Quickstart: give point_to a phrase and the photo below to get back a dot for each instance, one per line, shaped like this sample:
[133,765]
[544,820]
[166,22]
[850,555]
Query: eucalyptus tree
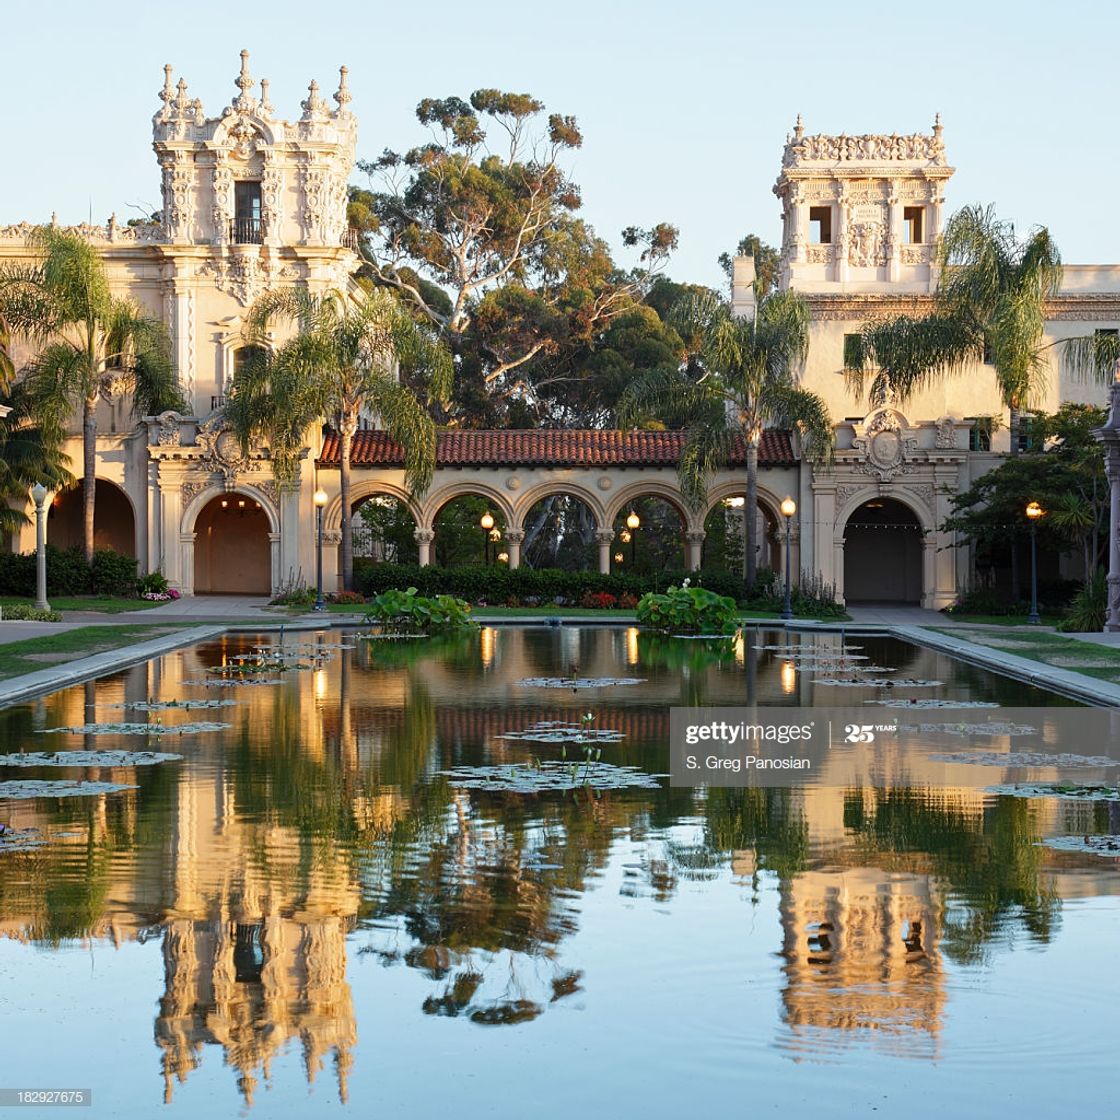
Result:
[89,344]
[747,382]
[989,305]
[339,364]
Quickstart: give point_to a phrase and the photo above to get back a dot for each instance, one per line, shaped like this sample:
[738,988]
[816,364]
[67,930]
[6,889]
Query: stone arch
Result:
[654,488]
[363,489]
[562,487]
[769,504]
[197,569]
[454,544]
[884,555]
[436,498]
[114,518]
[685,548]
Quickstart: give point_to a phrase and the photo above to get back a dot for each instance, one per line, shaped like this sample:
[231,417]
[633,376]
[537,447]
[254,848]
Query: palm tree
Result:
[25,458]
[989,304]
[91,343]
[338,365]
[748,382]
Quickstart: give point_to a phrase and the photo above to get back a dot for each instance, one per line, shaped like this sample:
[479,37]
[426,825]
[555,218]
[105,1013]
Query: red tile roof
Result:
[549,447]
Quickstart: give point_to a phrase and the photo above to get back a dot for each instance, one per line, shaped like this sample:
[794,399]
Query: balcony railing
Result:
[352,239]
[217,401]
[246,231]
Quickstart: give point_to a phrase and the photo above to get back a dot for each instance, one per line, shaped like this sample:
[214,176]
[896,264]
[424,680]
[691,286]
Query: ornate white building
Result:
[253,202]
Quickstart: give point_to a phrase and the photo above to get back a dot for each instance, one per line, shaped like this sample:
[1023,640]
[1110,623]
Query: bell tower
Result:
[861,213]
[250,202]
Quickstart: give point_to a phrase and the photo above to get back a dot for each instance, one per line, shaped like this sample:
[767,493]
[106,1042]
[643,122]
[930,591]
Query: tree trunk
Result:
[89,473]
[750,513]
[1015,579]
[345,441]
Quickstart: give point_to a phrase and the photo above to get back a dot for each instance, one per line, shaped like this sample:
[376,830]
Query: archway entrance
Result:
[114,525]
[232,552]
[725,538]
[883,554]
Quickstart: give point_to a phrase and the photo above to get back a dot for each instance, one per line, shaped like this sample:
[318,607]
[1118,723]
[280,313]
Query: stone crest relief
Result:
[885,446]
[221,450]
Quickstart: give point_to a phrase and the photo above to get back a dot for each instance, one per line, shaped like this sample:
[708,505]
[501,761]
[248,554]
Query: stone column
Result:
[840,234]
[837,579]
[424,538]
[929,598]
[513,539]
[695,538]
[894,237]
[604,540]
[827,559]
[274,561]
[332,560]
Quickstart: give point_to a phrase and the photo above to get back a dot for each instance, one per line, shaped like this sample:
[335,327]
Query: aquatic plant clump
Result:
[88,758]
[412,613]
[172,705]
[689,610]
[578,682]
[136,729]
[237,682]
[1053,789]
[1025,758]
[26,790]
[1094,845]
[914,702]
[20,839]
[552,731]
[877,682]
[551,777]
[996,727]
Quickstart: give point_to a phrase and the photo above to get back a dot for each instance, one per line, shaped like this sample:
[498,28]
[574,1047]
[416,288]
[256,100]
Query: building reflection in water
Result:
[247,851]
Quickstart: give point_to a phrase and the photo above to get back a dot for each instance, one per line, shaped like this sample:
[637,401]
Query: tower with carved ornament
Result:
[862,213]
[250,202]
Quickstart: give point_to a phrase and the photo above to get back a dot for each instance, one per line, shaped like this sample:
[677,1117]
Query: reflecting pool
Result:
[306,914]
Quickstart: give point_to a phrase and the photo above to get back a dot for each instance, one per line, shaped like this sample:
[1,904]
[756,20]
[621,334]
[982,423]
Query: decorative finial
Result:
[168,91]
[181,100]
[937,129]
[799,128]
[314,103]
[343,94]
[266,105]
[244,83]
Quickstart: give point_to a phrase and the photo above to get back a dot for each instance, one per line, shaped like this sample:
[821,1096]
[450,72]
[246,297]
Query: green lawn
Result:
[1102,662]
[33,654]
[103,604]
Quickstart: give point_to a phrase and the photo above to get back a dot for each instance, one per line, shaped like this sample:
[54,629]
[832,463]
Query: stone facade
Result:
[252,202]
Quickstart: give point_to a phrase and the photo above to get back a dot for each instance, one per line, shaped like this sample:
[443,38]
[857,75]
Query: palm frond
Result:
[1093,356]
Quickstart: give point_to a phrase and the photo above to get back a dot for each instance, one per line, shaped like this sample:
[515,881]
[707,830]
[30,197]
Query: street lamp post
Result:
[1034,512]
[789,508]
[320,502]
[632,523]
[39,497]
[487,523]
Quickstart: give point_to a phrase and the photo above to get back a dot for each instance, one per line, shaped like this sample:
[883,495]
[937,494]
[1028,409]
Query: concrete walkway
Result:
[218,607]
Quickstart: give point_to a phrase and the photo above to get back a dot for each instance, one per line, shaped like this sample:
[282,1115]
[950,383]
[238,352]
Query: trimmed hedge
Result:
[111,573]
[496,584]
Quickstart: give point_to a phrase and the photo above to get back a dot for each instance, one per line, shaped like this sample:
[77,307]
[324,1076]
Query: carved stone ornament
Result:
[885,445]
[946,437]
[169,433]
[866,245]
[188,489]
[221,449]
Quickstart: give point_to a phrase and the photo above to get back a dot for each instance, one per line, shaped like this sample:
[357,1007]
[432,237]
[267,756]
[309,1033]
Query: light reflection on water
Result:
[305,900]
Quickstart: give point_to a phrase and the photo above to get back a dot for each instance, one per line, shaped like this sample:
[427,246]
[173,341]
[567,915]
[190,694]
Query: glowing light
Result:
[789,677]
[633,520]
[618,557]
[487,521]
[632,645]
[503,557]
[789,507]
[624,536]
[486,646]
[320,498]
[1035,511]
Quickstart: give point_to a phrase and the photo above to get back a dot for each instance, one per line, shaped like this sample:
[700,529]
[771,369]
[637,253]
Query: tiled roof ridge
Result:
[559,447]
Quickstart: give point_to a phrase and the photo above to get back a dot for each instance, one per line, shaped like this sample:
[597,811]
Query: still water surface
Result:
[304,917]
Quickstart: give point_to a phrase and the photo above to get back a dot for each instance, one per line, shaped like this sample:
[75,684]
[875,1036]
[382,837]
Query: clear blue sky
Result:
[684,105]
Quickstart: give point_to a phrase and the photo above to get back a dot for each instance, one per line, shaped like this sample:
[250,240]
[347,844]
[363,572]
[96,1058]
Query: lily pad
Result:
[578,682]
[26,790]
[172,705]
[996,727]
[552,731]
[552,777]
[1094,845]
[20,839]
[136,729]
[914,702]
[877,682]
[240,682]
[1025,758]
[88,758]
[1067,792]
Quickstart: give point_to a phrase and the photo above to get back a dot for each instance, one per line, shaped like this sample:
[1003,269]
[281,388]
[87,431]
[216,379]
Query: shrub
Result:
[1089,608]
[294,597]
[812,596]
[407,612]
[112,573]
[154,583]
[23,612]
[348,597]
[689,610]
[598,600]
